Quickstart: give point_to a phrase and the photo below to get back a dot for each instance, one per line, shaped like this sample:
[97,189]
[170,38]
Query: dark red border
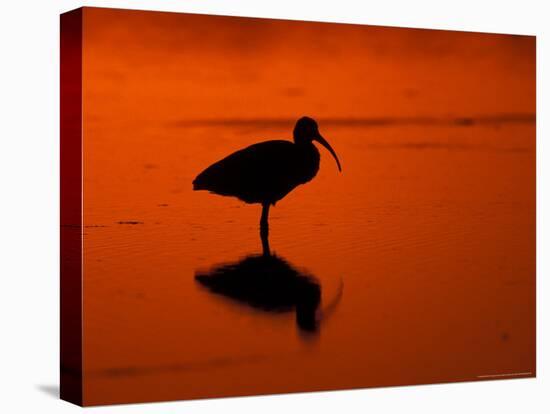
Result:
[71,206]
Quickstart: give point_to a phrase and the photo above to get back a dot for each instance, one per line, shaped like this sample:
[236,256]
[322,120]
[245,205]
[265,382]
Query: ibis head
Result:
[307,130]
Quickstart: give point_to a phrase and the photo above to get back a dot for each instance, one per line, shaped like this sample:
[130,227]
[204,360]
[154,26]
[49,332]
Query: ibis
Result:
[265,172]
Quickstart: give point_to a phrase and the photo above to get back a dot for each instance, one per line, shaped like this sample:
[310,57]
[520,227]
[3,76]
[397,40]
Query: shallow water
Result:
[416,264]
[423,249]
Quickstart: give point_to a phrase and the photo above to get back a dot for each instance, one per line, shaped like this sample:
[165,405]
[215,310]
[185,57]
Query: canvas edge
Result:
[71,226]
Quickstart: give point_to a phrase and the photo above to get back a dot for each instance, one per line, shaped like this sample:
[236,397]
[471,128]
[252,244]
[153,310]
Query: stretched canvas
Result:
[254,206]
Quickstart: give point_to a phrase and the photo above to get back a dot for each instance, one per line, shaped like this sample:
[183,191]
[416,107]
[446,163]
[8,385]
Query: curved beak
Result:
[325,144]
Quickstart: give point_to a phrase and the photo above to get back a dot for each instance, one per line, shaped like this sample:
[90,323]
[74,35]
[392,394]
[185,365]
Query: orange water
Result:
[423,247]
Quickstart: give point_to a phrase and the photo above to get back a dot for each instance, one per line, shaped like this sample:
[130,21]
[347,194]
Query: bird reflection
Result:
[269,283]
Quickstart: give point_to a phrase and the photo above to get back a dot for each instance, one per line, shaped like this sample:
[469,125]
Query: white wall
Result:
[29,204]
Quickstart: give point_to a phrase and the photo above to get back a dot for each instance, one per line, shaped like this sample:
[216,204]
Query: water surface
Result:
[414,265]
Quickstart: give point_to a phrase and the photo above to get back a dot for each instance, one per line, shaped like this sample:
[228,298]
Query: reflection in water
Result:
[269,283]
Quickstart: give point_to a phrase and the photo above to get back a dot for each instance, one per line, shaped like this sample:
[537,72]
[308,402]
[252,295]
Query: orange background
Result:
[430,229]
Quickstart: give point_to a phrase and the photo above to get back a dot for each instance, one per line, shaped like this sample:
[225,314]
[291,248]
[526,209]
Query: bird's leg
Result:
[264,229]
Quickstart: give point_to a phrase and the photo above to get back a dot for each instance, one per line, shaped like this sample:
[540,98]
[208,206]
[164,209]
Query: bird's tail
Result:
[197,185]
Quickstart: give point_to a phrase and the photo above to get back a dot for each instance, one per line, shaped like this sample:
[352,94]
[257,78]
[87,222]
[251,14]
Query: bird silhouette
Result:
[268,283]
[266,172]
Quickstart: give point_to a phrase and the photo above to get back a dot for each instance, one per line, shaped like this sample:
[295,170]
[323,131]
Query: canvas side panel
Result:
[71,206]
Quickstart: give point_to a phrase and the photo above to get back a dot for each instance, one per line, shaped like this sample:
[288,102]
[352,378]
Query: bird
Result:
[266,172]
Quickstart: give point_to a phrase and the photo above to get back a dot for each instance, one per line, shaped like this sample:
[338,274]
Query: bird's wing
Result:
[251,173]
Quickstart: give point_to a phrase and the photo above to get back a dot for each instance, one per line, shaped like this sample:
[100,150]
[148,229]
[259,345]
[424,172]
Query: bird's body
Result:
[266,172]
[261,173]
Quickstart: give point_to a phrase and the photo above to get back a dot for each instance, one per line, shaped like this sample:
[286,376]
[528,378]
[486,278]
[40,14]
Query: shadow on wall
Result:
[49,389]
